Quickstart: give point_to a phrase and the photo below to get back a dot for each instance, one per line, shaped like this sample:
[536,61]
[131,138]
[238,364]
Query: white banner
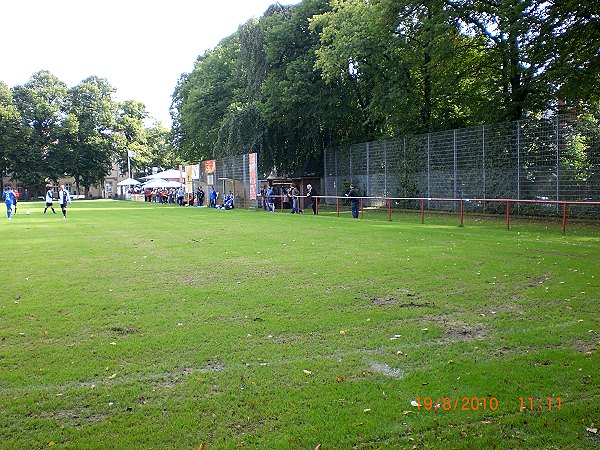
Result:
[195,171]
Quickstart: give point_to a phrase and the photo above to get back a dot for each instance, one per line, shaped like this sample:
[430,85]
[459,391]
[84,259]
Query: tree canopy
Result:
[331,72]
[49,131]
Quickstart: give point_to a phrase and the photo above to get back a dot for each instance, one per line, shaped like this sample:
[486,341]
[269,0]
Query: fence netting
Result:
[236,174]
[555,158]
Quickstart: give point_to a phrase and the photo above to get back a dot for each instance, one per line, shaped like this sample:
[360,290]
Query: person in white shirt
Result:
[49,200]
[63,198]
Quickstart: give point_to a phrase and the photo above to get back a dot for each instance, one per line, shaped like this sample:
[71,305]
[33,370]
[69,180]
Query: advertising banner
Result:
[253,169]
[195,171]
[210,166]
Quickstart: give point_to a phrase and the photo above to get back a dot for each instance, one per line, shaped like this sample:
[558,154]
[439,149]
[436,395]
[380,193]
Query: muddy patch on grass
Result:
[170,380]
[587,348]
[535,281]
[457,330]
[78,417]
[123,331]
[465,333]
[402,298]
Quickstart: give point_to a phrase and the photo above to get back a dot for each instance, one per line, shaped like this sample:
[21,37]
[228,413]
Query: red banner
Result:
[210,166]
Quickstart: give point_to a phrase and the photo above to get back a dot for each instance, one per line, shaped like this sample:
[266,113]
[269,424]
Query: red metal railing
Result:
[460,201]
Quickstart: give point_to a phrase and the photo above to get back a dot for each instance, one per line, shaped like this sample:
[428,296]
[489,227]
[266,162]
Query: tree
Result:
[575,67]
[10,130]
[518,36]
[129,134]
[158,150]
[41,104]
[202,98]
[89,140]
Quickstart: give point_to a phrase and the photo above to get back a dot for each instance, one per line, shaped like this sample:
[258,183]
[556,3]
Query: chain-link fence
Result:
[554,158]
[236,174]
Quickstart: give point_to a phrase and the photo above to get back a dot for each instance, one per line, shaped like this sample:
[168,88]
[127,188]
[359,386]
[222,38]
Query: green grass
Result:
[147,326]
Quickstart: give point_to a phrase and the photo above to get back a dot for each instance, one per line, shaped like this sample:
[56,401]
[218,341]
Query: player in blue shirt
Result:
[9,198]
[271,199]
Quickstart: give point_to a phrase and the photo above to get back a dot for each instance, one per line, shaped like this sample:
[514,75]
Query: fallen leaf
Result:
[202,446]
[51,444]
[339,379]
[318,447]
[367,410]
[112,376]
[307,372]
[591,430]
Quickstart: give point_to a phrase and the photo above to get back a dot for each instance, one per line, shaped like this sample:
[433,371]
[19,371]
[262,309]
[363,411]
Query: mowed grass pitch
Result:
[148,326]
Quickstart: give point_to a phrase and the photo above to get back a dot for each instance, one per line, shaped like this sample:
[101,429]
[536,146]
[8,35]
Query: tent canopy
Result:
[160,183]
[128,182]
[171,174]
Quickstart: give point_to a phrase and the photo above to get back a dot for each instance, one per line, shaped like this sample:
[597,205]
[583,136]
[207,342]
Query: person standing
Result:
[293,193]
[180,196]
[271,199]
[63,198]
[212,196]
[312,194]
[49,200]
[15,200]
[353,194]
[9,197]
[201,196]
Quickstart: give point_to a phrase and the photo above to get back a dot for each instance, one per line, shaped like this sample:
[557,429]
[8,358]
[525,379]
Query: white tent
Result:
[160,183]
[171,174]
[128,182]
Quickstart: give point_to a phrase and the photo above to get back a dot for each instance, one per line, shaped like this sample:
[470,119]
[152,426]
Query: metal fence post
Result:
[455,176]
[483,161]
[428,168]
[557,158]
[368,170]
[325,175]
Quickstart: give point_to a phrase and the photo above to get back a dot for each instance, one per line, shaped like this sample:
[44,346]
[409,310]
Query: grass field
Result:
[147,326]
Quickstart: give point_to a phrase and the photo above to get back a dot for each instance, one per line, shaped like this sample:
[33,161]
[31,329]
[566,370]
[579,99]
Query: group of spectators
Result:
[180,197]
[161,195]
[292,193]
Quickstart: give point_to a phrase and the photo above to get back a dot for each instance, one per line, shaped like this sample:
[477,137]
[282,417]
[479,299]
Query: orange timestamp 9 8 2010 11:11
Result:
[484,403]
[457,403]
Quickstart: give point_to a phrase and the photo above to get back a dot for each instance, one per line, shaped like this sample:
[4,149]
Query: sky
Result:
[141,47]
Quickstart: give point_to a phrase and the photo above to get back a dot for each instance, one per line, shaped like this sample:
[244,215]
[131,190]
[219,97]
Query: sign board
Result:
[188,179]
[195,171]
[253,168]
[210,166]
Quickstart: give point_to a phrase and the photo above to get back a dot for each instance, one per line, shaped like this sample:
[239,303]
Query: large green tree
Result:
[89,140]
[202,98]
[10,127]
[41,103]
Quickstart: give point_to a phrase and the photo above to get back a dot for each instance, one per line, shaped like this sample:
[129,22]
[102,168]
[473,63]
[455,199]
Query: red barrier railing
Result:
[461,204]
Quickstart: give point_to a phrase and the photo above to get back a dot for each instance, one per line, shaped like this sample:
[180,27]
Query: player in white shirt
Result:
[63,198]
[49,201]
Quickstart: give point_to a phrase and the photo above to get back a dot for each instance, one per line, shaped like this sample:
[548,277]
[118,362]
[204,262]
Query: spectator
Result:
[312,194]
[270,199]
[353,194]
[293,193]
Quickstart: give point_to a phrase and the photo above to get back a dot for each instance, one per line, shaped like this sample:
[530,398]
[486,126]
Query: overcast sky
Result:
[141,47]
